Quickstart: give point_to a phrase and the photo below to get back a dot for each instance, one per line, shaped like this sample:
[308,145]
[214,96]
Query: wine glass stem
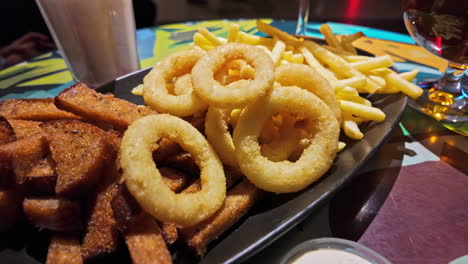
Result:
[451,81]
[302,17]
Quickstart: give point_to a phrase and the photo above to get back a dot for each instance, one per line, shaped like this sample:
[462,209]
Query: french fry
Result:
[372,64]
[277,51]
[363,111]
[356,99]
[210,36]
[351,130]
[283,36]
[346,90]
[337,51]
[297,58]
[313,62]
[408,88]
[233,32]
[202,42]
[341,146]
[409,75]
[347,45]
[330,38]
[254,40]
[355,81]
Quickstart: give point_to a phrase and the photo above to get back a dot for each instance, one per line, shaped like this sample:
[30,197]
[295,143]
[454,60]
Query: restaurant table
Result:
[409,202]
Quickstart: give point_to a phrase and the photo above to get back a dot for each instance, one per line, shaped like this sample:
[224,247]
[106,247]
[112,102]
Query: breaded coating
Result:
[25,128]
[6,132]
[33,109]
[79,151]
[86,102]
[54,213]
[102,235]
[10,207]
[64,248]
[18,158]
[238,202]
[145,242]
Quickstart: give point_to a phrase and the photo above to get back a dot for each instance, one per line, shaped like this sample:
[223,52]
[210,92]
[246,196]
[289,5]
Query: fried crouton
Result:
[54,213]
[33,109]
[64,248]
[86,102]
[79,151]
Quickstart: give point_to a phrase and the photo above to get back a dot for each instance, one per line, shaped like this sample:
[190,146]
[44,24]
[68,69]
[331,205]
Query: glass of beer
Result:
[96,38]
[441,27]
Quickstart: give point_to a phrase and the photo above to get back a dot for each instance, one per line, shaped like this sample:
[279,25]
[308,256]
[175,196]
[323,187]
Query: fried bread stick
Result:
[145,242]
[79,151]
[238,202]
[64,248]
[53,213]
[102,235]
[86,102]
[33,109]
[169,230]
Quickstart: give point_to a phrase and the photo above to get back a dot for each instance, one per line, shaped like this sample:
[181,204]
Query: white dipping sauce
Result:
[330,256]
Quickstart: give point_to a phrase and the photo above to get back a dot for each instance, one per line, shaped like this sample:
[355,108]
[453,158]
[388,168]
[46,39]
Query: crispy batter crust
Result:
[33,109]
[64,248]
[53,213]
[79,151]
[83,101]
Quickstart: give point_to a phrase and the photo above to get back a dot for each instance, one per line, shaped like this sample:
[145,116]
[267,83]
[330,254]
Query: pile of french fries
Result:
[338,62]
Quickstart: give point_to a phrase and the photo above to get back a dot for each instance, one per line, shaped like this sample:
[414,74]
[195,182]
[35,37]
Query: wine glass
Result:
[302,17]
[441,27]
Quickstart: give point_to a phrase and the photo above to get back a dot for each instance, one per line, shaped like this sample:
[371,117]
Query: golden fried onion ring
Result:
[144,180]
[238,95]
[286,176]
[217,133]
[303,76]
[155,85]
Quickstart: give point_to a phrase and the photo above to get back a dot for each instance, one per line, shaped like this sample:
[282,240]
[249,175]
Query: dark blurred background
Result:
[22,16]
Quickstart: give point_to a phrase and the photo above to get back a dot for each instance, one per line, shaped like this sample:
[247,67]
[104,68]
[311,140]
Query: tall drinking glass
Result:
[96,38]
[441,27]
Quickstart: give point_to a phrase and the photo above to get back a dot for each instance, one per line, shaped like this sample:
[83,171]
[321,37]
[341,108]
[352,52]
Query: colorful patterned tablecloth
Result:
[412,196]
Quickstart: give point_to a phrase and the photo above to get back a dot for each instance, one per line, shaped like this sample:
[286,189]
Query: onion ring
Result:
[156,93]
[286,176]
[218,95]
[303,76]
[144,180]
[217,133]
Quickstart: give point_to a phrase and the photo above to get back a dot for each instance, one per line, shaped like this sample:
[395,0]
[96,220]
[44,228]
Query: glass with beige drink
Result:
[96,37]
